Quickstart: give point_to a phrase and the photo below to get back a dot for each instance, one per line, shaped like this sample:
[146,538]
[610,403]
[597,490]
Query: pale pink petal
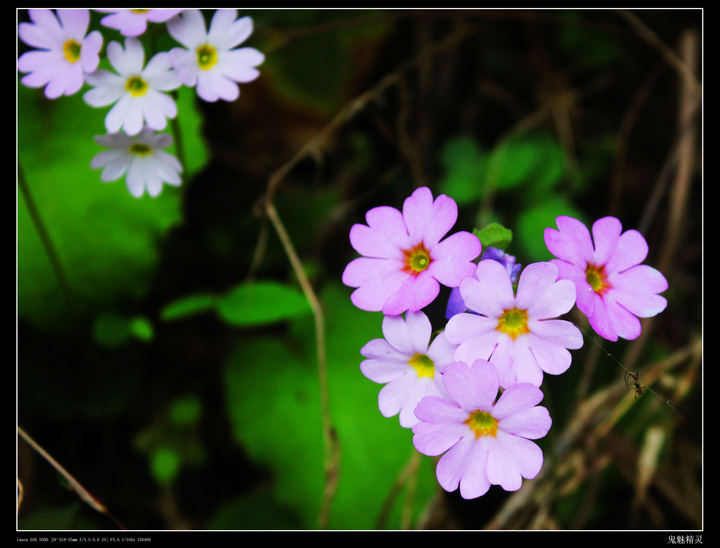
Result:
[452,465]
[517,398]
[188,28]
[490,292]
[475,482]
[535,280]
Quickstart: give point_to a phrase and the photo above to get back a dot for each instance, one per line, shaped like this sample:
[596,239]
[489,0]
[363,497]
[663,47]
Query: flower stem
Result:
[44,237]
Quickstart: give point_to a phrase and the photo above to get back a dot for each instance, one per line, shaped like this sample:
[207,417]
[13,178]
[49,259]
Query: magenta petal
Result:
[384,236]
[631,250]
[429,220]
[415,293]
[606,232]
[636,289]
[452,258]
[571,242]
[376,280]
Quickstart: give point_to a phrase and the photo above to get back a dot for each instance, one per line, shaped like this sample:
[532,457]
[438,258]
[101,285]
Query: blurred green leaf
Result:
[532,222]
[257,510]
[536,157]
[187,306]
[494,235]
[260,303]
[165,464]
[110,329]
[465,167]
[185,411]
[105,239]
[141,328]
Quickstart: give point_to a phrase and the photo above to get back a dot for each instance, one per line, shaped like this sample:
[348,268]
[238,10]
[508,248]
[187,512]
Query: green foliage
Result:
[465,166]
[274,405]
[245,305]
[105,239]
[531,224]
[258,510]
[494,235]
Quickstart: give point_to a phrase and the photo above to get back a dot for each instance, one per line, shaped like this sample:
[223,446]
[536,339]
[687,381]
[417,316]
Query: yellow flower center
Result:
[140,11]
[513,322]
[597,278]
[482,423]
[417,259]
[136,86]
[71,50]
[206,56]
[140,149]
[424,366]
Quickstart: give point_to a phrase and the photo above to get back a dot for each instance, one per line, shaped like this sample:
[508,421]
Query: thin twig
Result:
[682,66]
[330,439]
[332,452]
[84,494]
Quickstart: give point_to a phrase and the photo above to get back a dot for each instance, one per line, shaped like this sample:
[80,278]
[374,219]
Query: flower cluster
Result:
[140,94]
[471,393]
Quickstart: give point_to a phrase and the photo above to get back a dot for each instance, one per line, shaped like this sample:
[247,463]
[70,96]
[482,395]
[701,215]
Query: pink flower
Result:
[210,59]
[407,363]
[613,288]
[133,22]
[404,262]
[63,55]
[485,442]
[517,333]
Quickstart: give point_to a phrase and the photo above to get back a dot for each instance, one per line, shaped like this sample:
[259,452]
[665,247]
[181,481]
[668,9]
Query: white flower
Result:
[133,22]
[140,159]
[136,92]
[210,63]
[64,53]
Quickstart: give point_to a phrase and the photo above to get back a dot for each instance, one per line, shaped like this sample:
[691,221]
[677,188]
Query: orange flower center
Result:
[482,423]
[513,322]
[597,278]
[417,259]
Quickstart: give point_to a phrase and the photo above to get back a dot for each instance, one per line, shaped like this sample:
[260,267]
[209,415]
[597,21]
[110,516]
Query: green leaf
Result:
[165,464]
[494,235]
[535,158]
[258,510]
[187,306]
[261,303]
